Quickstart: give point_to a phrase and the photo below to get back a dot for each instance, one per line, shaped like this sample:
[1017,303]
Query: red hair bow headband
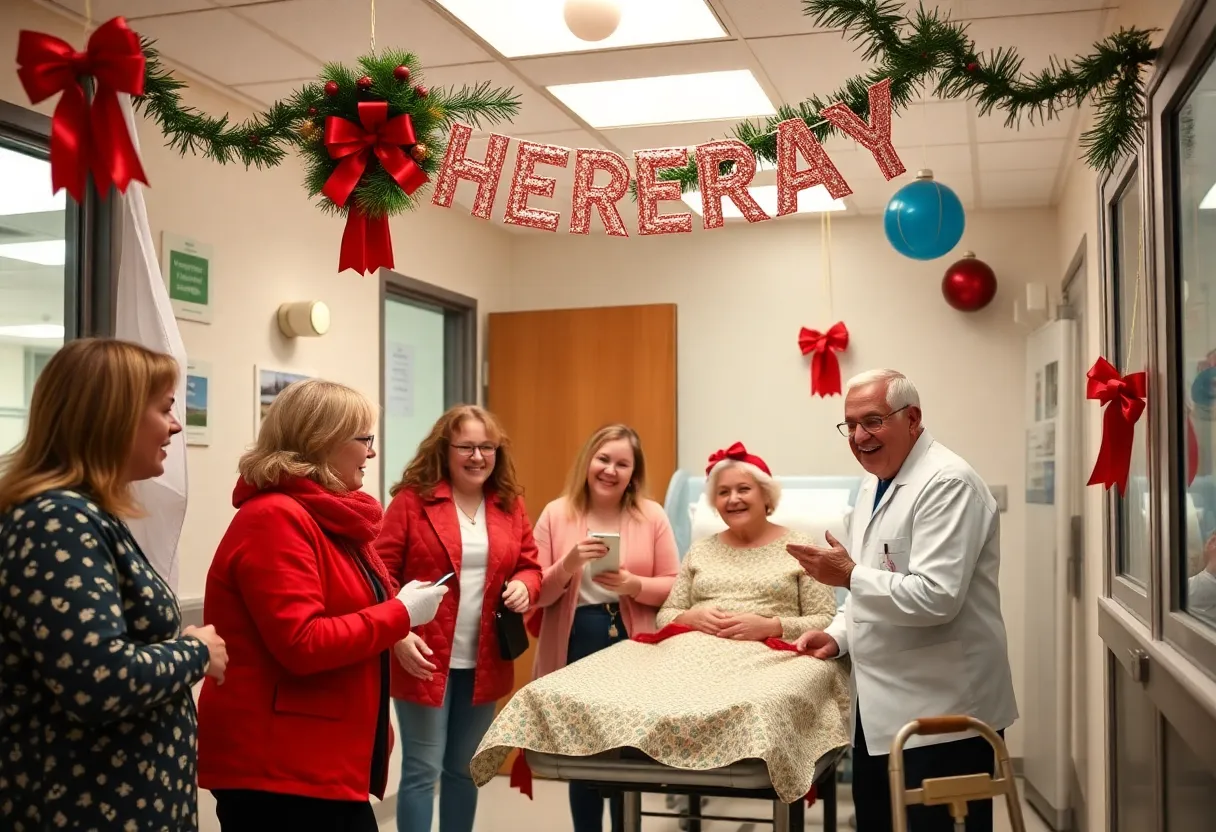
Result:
[738,453]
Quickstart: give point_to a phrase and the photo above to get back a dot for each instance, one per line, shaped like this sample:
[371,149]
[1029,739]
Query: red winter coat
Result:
[302,710]
[420,541]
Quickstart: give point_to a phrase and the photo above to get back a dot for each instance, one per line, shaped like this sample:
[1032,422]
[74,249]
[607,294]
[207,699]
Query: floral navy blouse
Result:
[97,719]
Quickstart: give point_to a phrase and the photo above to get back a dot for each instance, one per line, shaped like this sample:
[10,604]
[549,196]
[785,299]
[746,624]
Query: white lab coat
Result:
[922,621]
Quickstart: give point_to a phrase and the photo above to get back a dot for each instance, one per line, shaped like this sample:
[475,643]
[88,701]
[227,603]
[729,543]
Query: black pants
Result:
[590,634]
[872,786]
[241,810]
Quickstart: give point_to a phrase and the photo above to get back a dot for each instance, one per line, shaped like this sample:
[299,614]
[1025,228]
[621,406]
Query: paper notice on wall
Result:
[399,380]
[1041,464]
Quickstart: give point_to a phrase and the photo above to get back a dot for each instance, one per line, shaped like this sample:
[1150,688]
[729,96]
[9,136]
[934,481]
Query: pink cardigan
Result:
[648,550]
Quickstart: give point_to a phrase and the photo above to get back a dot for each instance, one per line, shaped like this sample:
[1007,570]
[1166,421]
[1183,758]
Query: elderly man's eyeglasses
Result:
[467,450]
[870,424]
[368,440]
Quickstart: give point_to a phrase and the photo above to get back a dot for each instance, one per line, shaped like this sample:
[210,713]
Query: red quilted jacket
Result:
[420,541]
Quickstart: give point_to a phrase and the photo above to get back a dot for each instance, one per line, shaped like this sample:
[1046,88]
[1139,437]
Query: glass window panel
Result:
[32,225]
[414,382]
[1190,789]
[1196,258]
[1135,755]
[1132,356]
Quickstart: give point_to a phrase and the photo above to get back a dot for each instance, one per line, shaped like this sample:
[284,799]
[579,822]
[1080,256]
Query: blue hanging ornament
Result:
[924,219]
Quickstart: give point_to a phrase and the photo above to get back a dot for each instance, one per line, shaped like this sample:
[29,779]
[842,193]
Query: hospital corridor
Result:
[608,416]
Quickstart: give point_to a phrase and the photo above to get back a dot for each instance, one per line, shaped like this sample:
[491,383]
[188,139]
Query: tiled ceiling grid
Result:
[264,49]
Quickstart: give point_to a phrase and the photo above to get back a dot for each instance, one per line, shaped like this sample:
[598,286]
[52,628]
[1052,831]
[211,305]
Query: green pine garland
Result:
[297,123]
[924,49]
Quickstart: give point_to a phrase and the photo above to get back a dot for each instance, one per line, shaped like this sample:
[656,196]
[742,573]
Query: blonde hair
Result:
[769,487]
[304,425]
[577,494]
[86,409]
[429,467]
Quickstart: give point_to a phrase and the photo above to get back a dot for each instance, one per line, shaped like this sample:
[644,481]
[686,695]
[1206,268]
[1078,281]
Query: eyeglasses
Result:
[870,424]
[369,440]
[467,450]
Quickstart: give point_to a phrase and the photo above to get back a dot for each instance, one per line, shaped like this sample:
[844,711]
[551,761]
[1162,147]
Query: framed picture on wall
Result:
[268,384]
[198,403]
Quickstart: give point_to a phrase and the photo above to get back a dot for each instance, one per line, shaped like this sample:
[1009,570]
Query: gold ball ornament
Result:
[436,112]
[419,152]
[308,131]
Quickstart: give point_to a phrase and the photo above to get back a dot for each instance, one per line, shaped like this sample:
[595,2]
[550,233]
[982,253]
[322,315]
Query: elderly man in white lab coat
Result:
[922,621]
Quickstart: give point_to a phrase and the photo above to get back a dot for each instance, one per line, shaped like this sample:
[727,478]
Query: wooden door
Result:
[556,376]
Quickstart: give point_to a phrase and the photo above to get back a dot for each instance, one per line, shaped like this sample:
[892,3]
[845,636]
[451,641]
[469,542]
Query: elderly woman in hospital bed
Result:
[719,683]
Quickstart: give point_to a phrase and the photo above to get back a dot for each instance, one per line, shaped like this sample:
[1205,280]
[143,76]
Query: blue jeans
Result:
[437,744]
[590,635]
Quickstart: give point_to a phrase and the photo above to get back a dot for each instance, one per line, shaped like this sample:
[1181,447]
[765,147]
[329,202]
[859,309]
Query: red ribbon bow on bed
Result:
[739,453]
[1123,397]
[822,347]
[366,244]
[86,137]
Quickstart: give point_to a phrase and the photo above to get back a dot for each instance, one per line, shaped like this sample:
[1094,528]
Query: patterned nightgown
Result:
[97,720]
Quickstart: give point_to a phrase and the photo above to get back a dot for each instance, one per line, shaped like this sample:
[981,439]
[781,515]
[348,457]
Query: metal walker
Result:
[954,792]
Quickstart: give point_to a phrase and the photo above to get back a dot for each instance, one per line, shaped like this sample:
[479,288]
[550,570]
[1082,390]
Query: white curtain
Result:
[145,316]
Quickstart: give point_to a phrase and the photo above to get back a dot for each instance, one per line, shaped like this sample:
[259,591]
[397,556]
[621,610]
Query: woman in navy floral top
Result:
[98,725]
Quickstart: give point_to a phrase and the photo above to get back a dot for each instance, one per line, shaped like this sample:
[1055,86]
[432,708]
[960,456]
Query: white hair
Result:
[900,391]
[769,487]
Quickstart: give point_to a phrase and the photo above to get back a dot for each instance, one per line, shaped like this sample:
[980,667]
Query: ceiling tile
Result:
[644,62]
[688,134]
[315,27]
[247,55]
[767,18]
[935,123]
[808,65]
[873,193]
[1038,38]
[564,138]
[103,10]
[1024,187]
[536,113]
[1020,155]
[273,91]
[1003,8]
[991,128]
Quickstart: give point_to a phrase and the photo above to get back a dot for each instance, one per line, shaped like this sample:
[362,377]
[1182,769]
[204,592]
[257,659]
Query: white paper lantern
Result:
[592,20]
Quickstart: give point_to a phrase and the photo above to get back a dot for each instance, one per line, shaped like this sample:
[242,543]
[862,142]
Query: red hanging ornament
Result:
[331,88]
[1123,398]
[366,243]
[364,83]
[312,111]
[970,284]
[87,137]
[822,347]
[422,91]
[402,73]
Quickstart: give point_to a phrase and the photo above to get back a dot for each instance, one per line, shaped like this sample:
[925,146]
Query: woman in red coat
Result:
[456,510]
[298,734]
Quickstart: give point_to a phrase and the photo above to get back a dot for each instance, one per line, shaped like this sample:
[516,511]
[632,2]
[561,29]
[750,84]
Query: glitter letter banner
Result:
[651,191]
[525,182]
[875,136]
[714,185]
[457,166]
[793,135]
[604,197]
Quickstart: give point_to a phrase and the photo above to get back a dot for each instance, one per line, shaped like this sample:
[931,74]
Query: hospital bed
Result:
[810,504]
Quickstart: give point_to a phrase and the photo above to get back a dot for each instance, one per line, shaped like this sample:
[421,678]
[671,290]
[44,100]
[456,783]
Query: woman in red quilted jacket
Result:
[456,510]
[298,734]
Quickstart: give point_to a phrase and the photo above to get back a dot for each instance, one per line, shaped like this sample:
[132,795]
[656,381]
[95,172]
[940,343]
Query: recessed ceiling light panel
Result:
[667,99]
[814,200]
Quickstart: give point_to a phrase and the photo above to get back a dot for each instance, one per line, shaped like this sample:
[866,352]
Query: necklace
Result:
[472,518]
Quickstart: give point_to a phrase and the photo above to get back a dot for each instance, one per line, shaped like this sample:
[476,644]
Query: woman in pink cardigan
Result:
[581,614]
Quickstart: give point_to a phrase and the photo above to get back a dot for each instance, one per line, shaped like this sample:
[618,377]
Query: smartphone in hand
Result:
[610,562]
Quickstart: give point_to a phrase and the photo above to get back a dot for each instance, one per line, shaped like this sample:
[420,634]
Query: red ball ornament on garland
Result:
[422,91]
[312,111]
[331,88]
[970,284]
[402,73]
[364,83]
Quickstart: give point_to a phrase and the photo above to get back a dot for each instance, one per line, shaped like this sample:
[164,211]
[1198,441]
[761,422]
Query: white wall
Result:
[271,246]
[742,294]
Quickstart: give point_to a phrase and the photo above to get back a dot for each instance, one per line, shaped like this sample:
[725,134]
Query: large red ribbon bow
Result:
[366,244]
[825,368]
[1123,397]
[85,137]
[739,453]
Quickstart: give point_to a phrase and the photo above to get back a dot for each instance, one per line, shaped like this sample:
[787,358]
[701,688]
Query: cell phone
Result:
[610,562]
[444,579]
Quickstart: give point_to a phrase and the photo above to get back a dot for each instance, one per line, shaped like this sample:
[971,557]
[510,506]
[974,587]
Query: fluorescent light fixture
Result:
[667,99]
[814,200]
[1208,203]
[538,27]
[26,185]
[47,332]
[41,253]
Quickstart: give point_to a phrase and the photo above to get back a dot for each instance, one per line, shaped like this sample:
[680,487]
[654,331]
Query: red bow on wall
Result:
[366,243]
[85,137]
[1123,397]
[825,368]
